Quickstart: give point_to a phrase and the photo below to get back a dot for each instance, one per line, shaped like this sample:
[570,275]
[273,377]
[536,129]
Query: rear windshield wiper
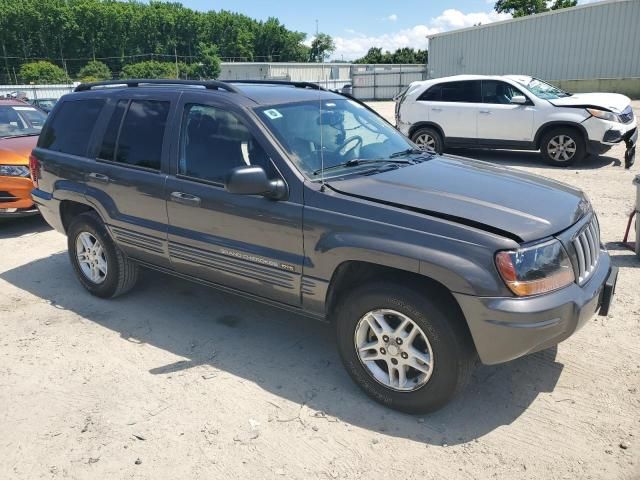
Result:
[354,162]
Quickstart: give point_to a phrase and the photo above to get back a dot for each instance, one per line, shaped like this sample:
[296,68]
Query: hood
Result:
[508,202]
[609,101]
[16,151]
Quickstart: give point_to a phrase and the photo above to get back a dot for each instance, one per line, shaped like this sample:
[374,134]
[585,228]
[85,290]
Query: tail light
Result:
[34,168]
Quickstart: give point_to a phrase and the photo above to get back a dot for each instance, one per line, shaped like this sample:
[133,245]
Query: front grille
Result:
[587,246]
[627,115]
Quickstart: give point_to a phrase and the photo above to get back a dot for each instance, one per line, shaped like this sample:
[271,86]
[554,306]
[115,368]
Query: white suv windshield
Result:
[19,121]
[544,90]
[343,130]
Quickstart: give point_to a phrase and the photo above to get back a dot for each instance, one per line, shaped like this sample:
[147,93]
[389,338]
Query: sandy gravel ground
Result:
[178,381]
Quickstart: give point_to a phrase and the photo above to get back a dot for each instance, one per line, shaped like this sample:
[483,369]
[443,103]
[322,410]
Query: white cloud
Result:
[393,17]
[356,45]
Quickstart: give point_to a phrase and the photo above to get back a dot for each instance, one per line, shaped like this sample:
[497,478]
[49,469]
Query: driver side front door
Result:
[246,242]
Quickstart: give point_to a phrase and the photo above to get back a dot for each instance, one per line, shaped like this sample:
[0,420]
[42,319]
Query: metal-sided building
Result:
[370,82]
[591,47]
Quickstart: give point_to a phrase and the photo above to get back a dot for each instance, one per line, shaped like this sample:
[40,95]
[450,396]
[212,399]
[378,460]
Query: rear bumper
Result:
[49,208]
[17,212]
[507,328]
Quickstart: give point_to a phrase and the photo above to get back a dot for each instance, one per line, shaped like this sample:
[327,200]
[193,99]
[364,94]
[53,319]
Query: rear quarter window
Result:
[69,131]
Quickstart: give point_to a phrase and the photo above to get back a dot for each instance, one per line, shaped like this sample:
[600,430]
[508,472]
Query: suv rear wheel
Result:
[99,264]
[562,147]
[428,139]
[404,350]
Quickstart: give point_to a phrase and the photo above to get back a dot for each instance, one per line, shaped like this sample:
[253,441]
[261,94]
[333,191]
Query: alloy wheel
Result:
[561,148]
[426,142]
[394,350]
[91,257]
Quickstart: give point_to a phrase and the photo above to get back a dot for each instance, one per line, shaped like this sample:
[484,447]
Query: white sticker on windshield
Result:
[330,105]
[273,114]
[29,109]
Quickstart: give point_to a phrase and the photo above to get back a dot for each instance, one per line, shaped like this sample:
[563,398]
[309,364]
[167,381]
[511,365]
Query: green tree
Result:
[207,65]
[42,72]
[70,32]
[94,71]
[521,8]
[149,69]
[375,55]
[321,48]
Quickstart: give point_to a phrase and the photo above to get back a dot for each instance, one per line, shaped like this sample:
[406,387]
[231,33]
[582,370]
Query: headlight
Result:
[14,171]
[538,269]
[603,115]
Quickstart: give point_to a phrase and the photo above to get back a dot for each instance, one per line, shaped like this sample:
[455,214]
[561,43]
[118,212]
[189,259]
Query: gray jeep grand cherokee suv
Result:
[307,200]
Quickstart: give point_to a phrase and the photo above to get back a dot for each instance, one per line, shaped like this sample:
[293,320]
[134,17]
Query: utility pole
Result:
[6,61]
[317,31]
[175,53]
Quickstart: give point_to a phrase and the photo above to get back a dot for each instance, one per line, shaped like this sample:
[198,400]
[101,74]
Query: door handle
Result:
[486,112]
[185,198]
[436,109]
[99,177]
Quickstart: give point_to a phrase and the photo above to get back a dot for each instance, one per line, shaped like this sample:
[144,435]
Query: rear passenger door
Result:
[454,107]
[126,182]
[246,242]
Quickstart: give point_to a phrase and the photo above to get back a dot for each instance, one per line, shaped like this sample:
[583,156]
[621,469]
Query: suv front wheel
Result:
[102,268]
[404,350]
[562,147]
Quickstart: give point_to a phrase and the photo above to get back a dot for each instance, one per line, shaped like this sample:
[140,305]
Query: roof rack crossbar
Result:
[311,85]
[208,84]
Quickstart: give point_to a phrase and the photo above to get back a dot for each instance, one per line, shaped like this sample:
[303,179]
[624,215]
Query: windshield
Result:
[544,90]
[18,121]
[345,132]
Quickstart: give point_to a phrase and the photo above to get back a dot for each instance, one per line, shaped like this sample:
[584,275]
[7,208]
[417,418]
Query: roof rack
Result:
[208,84]
[313,86]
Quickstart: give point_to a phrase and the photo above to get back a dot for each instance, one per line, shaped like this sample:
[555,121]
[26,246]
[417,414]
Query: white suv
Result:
[515,112]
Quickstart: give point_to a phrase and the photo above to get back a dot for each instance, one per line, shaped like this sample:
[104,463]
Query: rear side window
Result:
[135,137]
[432,95]
[108,149]
[70,128]
[463,92]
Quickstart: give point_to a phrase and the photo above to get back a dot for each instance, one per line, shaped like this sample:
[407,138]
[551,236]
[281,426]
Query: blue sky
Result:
[358,25]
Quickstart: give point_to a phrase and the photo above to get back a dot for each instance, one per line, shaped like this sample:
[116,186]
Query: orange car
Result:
[20,125]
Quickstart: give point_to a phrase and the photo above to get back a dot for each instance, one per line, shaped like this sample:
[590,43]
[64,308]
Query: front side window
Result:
[135,137]
[330,133]
[70,128]
[494,91]
[214,141]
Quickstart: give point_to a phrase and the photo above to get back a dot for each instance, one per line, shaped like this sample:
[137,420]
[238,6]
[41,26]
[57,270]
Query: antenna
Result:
[321,136]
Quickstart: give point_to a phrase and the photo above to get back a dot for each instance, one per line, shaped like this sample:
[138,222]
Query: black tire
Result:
[122,273]
[454,356]
[546,148]
[428,132]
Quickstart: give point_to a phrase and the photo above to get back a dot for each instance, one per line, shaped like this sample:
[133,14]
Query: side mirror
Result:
[253,180]
[519,99]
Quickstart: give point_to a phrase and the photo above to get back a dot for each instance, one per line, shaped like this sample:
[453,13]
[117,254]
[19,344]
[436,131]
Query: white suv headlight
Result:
[603,115]
[14,170]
